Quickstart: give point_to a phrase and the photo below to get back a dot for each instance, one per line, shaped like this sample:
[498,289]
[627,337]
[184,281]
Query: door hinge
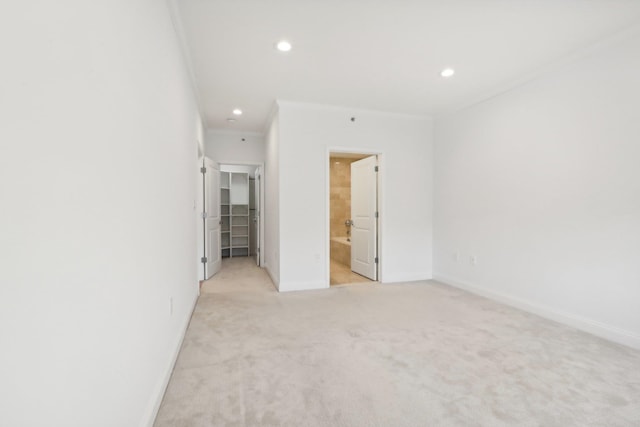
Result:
[375,169]
[203,260]
[375,260]
[203,170]
[376,214]
[204,215]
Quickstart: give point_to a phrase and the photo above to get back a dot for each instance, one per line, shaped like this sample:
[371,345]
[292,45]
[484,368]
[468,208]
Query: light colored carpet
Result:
[416,354]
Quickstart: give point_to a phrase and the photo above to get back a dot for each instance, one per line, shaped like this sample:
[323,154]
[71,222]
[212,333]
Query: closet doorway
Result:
[241,212]
[354,214]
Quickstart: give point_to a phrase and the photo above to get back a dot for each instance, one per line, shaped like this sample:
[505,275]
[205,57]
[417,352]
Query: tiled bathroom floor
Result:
[341,275]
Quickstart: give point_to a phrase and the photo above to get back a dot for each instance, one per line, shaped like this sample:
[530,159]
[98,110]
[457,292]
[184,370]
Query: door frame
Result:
[259,174]
[198,207]
[381,206]
[261,220]
[207,196]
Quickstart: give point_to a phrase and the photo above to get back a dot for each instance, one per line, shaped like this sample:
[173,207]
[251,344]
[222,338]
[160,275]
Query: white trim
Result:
[352,110]
[600,329]
[243,163]
[262,202]
[261,208]
[183,46]
[327,216]
[401,278]
[381,214]
[200,228]
[303,286]
[327,199]
[161,387]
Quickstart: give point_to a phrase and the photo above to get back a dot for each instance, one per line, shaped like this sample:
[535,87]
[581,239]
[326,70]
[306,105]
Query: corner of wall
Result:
[599,329]
[273,277]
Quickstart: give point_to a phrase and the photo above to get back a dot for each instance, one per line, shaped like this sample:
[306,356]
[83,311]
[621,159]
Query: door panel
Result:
[256,217]
[364,224]
[202,239]
[212,217]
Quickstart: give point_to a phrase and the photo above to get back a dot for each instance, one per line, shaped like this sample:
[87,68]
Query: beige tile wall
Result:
[341,252]
[340,182]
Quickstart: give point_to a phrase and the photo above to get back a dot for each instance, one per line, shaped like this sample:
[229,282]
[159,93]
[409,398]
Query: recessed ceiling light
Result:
[283,46]
[231,120]
[447,72]
[237,112]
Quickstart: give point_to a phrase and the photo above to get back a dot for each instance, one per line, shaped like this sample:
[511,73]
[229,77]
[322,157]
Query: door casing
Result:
[261,222]
[337,151]
[212,217]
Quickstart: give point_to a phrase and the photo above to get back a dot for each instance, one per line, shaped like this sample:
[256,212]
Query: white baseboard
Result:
[398,278]
[152,412]
[600,329]
[303,286]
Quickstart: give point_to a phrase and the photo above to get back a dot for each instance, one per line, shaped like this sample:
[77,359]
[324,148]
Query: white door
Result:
[364,202]
[211,217]
[256,217]
[199,210]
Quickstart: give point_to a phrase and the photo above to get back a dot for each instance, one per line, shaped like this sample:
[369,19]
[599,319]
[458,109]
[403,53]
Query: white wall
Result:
[542,184]
[229,147]
[97,224]
[306,132]
[250,169]
[271,243]
[200,208]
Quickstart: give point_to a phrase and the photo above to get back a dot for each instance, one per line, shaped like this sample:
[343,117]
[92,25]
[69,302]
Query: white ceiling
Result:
[381,55]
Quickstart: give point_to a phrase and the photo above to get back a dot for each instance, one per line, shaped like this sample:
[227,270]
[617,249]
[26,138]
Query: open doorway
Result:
[241,190]
[353,218]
